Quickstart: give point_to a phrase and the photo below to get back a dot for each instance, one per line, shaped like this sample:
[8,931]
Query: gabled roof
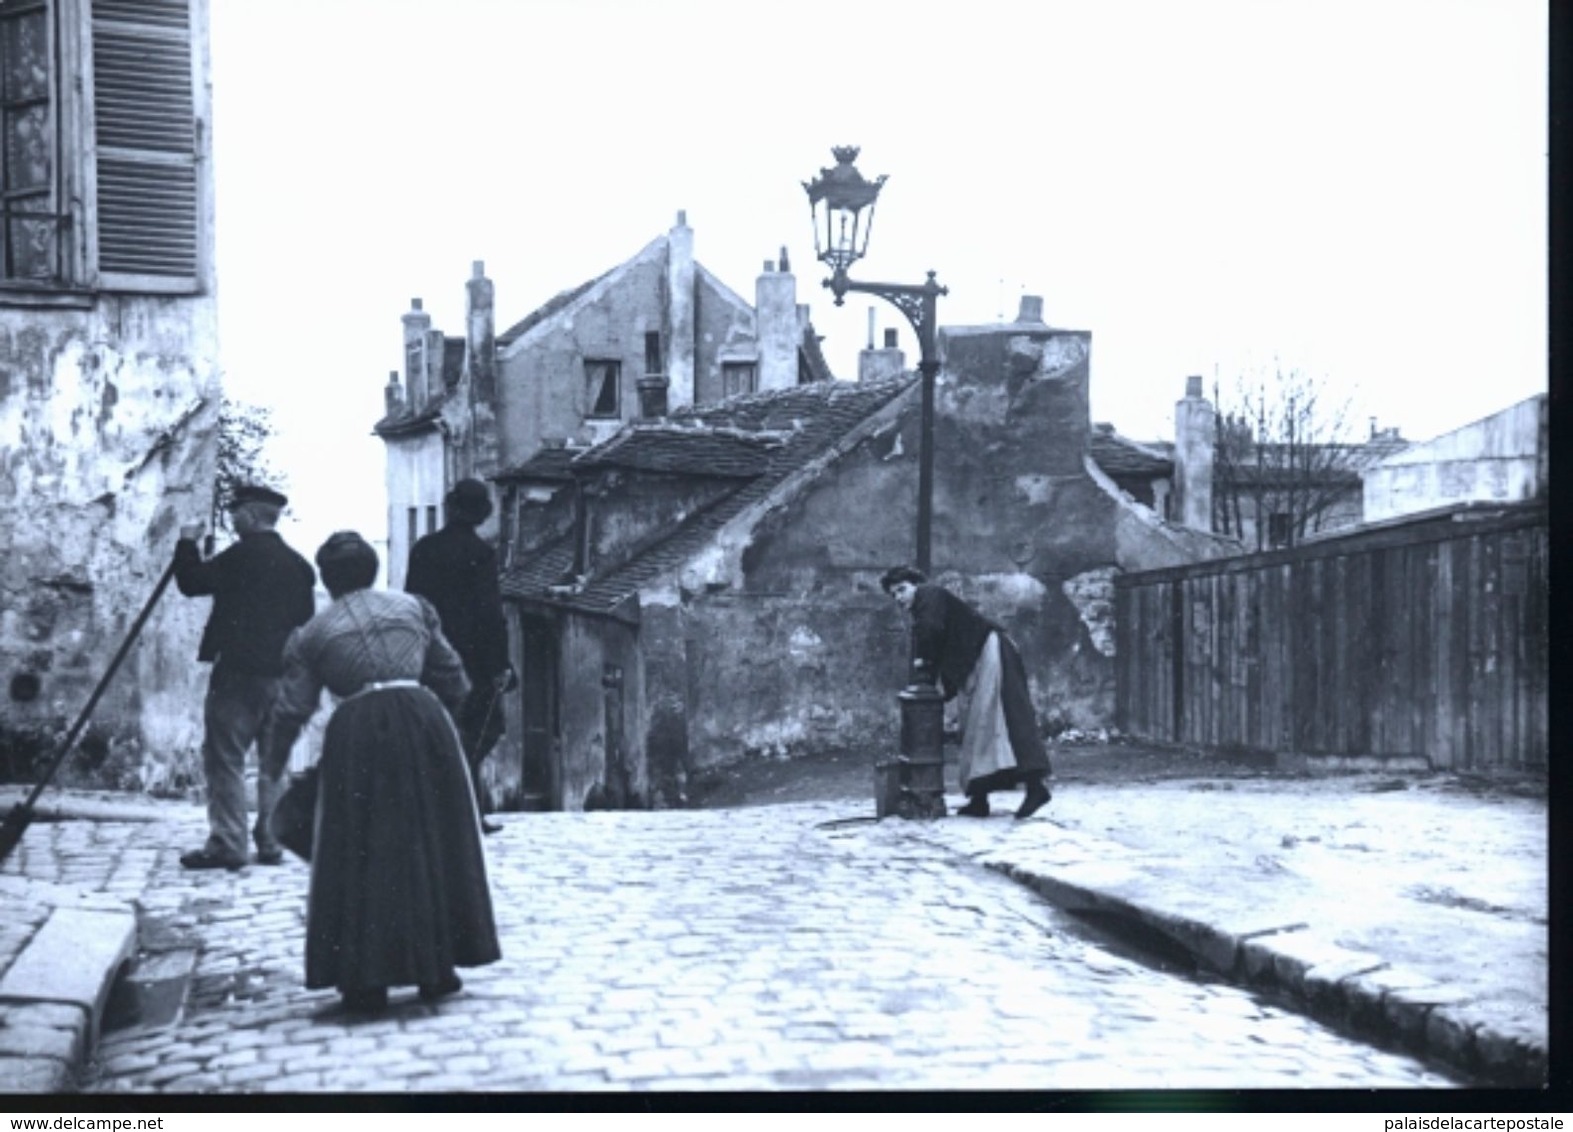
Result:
[550,307]
[1121,456]
[812,359]
[696,449]
[546,464]
[810,419]
[407,423]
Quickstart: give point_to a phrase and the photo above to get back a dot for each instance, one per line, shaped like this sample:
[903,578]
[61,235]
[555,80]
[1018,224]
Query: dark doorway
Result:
[539,787]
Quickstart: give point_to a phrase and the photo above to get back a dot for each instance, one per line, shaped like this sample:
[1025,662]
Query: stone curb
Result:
[1354,991]
[53,996]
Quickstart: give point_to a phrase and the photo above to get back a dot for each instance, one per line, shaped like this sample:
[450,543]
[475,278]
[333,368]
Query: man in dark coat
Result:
[958,649]
[456,570]
[261,590]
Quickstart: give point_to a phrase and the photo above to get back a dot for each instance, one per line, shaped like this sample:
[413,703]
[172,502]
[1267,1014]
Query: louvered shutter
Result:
[149,203]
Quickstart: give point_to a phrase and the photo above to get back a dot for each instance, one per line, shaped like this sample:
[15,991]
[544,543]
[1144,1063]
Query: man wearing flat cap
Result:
[456,570]
[261,590]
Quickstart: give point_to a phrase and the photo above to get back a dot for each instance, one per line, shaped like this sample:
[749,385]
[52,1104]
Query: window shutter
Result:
[147,146]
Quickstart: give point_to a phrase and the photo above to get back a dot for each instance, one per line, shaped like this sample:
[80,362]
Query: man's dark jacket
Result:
[261,590]
[456,571]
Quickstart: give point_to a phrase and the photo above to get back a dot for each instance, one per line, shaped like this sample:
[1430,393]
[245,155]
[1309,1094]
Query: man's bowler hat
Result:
[255,493]
[469,500]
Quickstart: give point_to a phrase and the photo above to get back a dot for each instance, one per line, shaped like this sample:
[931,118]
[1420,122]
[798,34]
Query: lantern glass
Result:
[842,203]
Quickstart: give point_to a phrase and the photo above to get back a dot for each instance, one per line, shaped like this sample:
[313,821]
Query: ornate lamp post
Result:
[913,785]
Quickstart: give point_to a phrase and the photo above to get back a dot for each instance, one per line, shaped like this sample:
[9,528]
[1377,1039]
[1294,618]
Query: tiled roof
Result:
[813,417]
[1120,456]
[692,448]
[812,357]
[546,464]
[405,422]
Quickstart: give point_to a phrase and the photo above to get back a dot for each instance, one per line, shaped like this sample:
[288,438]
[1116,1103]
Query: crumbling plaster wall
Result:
[542,391]
[1025,527]
[588,781]
[108,420]
[724,329]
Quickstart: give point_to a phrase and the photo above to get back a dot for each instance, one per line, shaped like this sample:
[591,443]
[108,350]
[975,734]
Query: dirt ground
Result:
[847,775]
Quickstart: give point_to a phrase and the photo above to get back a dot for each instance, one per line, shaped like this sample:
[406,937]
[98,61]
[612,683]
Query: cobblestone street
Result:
[749,949]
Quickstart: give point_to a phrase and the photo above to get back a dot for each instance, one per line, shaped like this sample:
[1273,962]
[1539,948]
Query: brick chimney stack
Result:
[776,327]
[1195,438]
[680,283]
[889,361]
[417,365]
[393,394]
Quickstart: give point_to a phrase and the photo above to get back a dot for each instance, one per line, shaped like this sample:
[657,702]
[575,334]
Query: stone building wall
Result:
[803,650]
[108,420]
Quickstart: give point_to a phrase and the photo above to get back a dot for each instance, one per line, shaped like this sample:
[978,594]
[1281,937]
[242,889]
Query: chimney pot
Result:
[784,265]
[1193,385]
[652,396]
[890,339]
[478,268]
[770,266]
[682,218]
[1031,309]
[415,304]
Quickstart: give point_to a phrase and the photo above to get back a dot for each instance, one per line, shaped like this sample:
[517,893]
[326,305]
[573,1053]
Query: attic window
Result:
[603,379]
[739,377]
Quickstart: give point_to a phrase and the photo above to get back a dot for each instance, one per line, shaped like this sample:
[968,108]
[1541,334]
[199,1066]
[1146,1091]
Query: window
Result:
[415,529]
[603,382]
[431,519]
[739,377]
[125,216]
[652,352]
[1278,529]
[31,247]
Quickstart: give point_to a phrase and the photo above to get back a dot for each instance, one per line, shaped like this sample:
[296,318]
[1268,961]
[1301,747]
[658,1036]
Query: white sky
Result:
[1356,187]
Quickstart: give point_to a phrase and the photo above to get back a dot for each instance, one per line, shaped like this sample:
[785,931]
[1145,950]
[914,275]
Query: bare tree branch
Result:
[1284,457]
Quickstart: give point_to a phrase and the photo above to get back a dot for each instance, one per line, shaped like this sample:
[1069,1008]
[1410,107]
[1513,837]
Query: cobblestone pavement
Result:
[750,949]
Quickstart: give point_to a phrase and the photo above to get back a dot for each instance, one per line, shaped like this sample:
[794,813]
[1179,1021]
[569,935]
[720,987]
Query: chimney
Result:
[776,327]
[875,365]
[1031,309]
[417,329]
[1194,439]
[653,384]
[393,394]
[680,332]
[480,342]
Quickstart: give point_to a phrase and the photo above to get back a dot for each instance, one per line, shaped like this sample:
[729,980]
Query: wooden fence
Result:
[1420,637]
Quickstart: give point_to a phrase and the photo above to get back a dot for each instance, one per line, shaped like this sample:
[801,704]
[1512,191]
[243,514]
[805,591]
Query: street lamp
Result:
[914,784]
[841,234]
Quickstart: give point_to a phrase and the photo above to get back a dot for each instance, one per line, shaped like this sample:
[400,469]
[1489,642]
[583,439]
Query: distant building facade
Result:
[656,331]
[109,377]
[702,586]
[1502,458]
[1216,476]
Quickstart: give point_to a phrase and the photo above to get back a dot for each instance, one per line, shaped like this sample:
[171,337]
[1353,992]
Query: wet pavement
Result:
[786,947]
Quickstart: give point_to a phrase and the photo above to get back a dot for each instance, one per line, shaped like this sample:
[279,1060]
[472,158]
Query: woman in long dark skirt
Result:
[962,652]
[399,894]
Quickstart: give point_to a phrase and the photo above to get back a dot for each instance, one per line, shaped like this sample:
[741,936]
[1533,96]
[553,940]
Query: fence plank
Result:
[1431,640]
